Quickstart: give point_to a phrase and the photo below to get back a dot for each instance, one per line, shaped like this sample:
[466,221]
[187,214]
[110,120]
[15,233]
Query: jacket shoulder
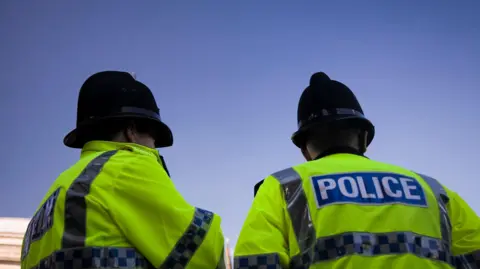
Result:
[127,157]
[134,165]
[437,187]
[283,176]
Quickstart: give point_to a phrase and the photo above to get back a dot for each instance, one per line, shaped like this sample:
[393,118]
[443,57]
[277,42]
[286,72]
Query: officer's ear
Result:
[130,132]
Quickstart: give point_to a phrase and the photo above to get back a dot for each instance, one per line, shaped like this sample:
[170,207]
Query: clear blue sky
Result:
[227,77]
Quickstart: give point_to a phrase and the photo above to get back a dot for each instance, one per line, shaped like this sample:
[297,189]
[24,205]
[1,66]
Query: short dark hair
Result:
[106,131]
[321,138]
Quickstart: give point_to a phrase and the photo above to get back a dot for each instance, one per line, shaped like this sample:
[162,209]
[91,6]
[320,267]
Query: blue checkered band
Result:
[264,261]
[369,244]
[190,241]
[94,257]
[468,261]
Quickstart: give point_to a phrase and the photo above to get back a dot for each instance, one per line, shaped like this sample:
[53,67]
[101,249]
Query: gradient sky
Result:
[227,77]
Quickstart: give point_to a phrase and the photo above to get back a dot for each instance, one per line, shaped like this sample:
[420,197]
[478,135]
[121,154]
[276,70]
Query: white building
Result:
[11,236]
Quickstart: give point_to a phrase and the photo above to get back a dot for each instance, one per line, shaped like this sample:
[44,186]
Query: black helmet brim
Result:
[163,134]
[353,121]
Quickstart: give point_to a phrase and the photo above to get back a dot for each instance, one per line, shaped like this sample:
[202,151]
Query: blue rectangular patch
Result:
[368,188]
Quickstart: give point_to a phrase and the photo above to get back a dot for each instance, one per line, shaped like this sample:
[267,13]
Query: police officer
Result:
[343,210]
[117,206]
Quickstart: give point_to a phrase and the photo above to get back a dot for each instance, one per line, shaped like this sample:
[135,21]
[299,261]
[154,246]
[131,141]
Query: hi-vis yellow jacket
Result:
[117,208]
[346,211]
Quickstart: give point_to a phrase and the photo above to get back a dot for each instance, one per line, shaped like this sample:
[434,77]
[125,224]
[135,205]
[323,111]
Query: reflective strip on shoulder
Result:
[75,229]
[436,187]
[270,261]
[297,206]
[442,200]
[94,257]
[191,240]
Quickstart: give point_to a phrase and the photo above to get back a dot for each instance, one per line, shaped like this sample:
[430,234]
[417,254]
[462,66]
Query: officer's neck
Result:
[337,150]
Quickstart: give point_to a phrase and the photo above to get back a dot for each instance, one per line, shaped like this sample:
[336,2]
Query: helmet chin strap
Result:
[306,154]
[362,141]
[162,161]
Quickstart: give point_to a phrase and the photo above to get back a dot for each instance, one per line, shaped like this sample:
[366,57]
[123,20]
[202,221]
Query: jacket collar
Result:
[96,146]
[338,150]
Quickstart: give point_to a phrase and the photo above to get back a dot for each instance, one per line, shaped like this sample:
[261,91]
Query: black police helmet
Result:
[110,95]
[327,102]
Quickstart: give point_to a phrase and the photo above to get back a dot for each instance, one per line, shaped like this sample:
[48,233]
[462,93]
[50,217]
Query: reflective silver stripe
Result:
[468,261]
[373,244]
[263,261]
[442,201]
[190,241]
[94,257]
[299,212]
[75,229]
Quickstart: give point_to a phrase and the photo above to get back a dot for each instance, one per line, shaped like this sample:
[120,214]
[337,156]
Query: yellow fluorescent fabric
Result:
[153,216]
[131,204]
[51,241]
[268,228]
[465,225]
